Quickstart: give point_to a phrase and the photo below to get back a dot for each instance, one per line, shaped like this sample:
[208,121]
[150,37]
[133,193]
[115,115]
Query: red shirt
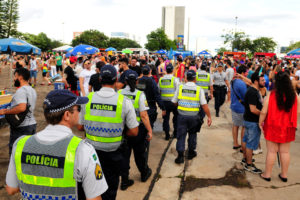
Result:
[280,126]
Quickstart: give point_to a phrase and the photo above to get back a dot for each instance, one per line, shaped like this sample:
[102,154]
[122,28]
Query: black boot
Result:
[192,154]
[125,183]
[167,136]
[180,158]
[145,176]
[174,134]
[217,113]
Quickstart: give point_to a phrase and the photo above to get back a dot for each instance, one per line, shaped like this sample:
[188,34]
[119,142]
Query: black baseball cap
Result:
[191,74]
[169,67]
[59,100]
[131,75]
[146,69]
[109,72]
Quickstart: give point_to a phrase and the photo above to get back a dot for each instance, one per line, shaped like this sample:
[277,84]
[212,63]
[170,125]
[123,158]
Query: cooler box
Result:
[59,86]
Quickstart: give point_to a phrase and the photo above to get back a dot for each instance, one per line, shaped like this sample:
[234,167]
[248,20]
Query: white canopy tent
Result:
[63,48]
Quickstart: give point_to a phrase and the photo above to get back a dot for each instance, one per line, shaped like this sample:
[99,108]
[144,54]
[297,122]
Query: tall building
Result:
[173,18]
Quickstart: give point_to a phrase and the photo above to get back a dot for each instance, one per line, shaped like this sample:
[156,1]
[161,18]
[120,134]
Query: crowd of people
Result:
[114,98]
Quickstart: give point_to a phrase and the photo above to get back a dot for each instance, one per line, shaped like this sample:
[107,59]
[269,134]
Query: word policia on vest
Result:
[44,160]
[202,76]
[189,91]
[107,107]
[132,97]
[166,81]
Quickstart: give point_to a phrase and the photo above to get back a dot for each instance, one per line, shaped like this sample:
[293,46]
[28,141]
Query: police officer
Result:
[203,79]
[189,97]
[167,86]
[104,118]
[54,163]
[140,143]
[148,85]
[219,89]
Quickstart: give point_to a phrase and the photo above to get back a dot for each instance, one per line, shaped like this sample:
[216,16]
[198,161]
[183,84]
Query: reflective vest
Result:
[46,171]
[135,98]
[103,122]
[188,100]
[167,88]
[203,80]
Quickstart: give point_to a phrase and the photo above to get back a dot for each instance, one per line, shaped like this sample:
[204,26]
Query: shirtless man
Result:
[52,64]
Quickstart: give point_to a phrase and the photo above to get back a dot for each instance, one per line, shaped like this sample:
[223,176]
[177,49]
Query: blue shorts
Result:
[252,135]
[33,73]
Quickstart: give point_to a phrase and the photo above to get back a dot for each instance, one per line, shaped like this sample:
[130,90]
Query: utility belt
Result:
[219,86]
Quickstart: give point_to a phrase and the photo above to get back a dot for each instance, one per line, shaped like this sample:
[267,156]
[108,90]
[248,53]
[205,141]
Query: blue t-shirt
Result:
[240,88]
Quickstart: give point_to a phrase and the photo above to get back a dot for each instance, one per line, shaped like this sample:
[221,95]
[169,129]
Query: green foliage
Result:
[222,50]
[120,43]
[92,37]
[263,44]
[41,41]
[10,18]
[242,42]
[2,22]
[158,40]
[293,46]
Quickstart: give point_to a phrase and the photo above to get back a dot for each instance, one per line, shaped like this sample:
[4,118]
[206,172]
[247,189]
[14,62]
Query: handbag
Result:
[15,120]
[239,99]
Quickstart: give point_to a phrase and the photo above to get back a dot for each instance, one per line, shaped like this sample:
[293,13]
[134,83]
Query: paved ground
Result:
[214,174]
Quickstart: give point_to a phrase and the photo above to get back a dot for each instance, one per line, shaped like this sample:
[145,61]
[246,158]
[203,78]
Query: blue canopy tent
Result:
[161,51]
[203,53]
[110,49]
[294,52]
[10,45]
[82,49]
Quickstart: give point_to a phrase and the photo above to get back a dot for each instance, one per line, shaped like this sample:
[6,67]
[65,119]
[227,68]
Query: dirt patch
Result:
[234,177]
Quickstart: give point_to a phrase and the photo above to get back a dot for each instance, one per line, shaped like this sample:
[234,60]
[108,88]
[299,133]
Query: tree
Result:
[91,37]
[222,50]
[237,40]
[293,46]
[159,40]
[11,17]
[263,44]
[2,22]
[41,41]
[122,43]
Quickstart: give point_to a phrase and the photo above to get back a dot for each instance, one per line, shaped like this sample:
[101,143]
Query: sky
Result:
[278,19]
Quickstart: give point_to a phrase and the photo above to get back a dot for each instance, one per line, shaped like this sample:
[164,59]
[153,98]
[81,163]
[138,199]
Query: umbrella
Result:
[294,52]
[127,51]
[82,49]
[10,45]
[64,48]
[161,51]
[203,53]
[176,53]
[110,49]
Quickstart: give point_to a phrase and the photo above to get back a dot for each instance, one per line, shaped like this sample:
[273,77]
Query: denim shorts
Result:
[252,135]
[33,73]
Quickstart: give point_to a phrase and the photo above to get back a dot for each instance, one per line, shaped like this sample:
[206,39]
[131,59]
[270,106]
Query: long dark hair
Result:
[131,82]
[285,92]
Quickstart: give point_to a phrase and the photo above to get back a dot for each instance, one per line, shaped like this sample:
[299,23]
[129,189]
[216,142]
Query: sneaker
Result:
[243,162]
[257,151]
[192,154]
[126,183]
[252,168]
[144,177]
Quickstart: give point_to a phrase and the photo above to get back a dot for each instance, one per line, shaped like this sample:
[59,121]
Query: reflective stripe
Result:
[136,103]
[104,139]
[183,101]
[204,83]
[68,179]
[167,90]
[117,119]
